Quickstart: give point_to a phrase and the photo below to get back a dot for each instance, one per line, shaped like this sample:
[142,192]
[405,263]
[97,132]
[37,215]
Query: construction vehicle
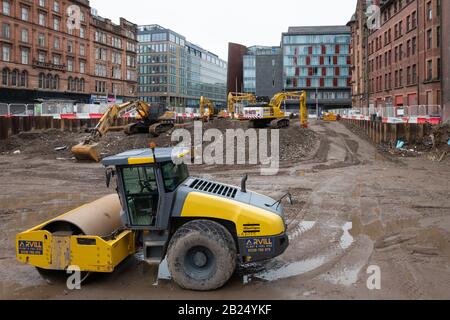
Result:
[236,102]
[153,120]
[271,114]
[203,229]
[329,116]
[206,115]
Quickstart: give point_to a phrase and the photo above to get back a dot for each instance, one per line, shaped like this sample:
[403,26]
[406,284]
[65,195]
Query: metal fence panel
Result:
[4,109]
[18,109]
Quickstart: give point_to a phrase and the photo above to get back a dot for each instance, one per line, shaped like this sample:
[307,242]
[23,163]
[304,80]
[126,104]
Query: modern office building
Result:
[235,74]
[317,59]
[175,72]
[263,70]
[406,55]
[42,57]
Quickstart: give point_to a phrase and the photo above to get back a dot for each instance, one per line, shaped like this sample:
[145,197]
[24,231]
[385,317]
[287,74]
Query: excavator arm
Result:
[278,100]
[206,103]
[238,97]
[87,149]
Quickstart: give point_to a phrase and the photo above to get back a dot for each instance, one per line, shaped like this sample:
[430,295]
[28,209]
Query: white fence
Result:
[394,112]
[17,109]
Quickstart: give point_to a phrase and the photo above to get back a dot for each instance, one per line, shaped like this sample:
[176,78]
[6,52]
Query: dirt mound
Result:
[295,142]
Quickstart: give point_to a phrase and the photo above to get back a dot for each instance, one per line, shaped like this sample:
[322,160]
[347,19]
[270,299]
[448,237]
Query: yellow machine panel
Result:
[200,205]
[94,254]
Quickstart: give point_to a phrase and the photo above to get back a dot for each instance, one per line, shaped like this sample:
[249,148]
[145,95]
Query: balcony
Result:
[48,65]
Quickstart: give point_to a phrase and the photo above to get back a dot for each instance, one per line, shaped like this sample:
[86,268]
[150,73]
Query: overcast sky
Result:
[211,24]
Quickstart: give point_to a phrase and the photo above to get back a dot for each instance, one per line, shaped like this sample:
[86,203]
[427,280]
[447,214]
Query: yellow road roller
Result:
[204,229]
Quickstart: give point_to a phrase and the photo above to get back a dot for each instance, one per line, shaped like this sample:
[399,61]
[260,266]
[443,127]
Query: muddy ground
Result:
[355,207]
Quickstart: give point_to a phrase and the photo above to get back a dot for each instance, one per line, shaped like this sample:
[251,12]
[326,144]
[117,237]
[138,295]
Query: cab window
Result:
[141,192]
[174,175]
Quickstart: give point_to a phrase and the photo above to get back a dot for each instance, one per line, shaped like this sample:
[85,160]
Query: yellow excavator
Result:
[208,114]
[238,98]
[271,114]
[153,120]
[202,228]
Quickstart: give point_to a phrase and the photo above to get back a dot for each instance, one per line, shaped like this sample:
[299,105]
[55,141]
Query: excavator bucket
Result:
[86,152]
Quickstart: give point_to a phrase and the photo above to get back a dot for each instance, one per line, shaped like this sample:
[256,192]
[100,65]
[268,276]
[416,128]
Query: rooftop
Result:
[145,156]
[309,30]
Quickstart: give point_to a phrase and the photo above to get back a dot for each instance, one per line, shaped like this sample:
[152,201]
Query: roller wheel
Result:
[202,256]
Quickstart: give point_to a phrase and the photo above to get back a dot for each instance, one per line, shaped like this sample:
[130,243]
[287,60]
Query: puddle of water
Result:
[305,266]
[291,270]
[346,239]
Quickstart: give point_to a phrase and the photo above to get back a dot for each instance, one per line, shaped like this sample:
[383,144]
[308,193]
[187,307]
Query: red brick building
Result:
[404,56]
[43,56]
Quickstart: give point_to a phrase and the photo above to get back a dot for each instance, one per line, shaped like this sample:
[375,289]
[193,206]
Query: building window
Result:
[41,56]
[82,67]
[56,6]
[429,39]
[56,43]
[55,83]
[100,86]
[25,13]
[6,53]
[81,86]
[24,36]
[42,19]
[429,70]
[438,37]
[57,60]
[6,31]
[69,46]
[429,11]
[25,56]
[14,78]
[24,79]
[41,40]
[41,80]
[56,24]
[42,3]
[70,65]
[439,68]
[82,32]
[5,76]
[82,50]
[6,8]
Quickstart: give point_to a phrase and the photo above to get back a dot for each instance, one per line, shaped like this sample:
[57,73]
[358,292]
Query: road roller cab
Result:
[203,228]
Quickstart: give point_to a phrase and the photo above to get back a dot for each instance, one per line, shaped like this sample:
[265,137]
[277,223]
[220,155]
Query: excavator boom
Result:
[87,150]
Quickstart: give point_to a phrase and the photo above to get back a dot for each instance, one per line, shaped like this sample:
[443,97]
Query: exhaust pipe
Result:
[244,184]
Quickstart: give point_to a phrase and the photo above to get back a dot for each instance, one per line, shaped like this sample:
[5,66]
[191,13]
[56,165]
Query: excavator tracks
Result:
[280,123]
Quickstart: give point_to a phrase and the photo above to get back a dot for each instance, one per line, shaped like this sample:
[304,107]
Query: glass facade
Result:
[175,72]
[316,61]
[250,74]
[250,65]
[206,76]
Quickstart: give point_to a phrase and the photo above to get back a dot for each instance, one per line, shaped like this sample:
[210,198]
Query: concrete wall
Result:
[269,75]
